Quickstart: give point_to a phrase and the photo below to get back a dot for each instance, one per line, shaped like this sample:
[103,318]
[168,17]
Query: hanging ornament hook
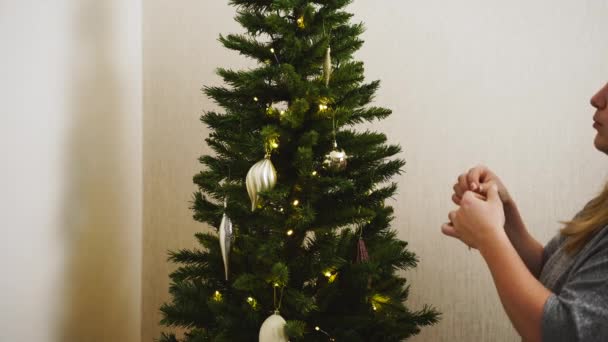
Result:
[277,307]
[333,124]
[276,58]
[362,254]
[360,225]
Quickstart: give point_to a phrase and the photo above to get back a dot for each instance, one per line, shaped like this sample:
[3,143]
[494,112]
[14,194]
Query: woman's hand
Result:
[479,179]
[478,220]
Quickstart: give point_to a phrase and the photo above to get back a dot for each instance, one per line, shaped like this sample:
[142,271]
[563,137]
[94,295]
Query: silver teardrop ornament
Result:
[327,66]
[226,234]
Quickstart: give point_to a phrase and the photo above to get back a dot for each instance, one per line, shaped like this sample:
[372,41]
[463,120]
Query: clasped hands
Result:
[480,217]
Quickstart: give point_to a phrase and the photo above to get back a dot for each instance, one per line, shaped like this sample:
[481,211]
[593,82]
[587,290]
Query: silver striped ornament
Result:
[262,176]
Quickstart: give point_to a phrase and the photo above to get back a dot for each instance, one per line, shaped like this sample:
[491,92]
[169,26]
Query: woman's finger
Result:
[475,175]
[469,195]
[462,184]
[492,194]
[484,187]
[458,190]
[448,229]
[451,216]
[456,199]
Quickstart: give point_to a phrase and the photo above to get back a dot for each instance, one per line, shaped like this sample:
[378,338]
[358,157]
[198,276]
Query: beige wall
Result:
[70,140]
[175,68]
[501,83]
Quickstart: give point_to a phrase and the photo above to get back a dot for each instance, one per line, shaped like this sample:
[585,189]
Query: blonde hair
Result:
[588,221]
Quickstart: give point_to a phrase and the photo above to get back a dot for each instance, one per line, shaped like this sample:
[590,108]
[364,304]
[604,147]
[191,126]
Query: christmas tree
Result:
[303,249]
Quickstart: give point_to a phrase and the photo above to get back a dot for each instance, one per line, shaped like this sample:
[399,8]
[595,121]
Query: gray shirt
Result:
[578,308]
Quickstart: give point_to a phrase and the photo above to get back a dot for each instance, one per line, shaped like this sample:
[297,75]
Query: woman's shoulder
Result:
[598,241]
[554,243]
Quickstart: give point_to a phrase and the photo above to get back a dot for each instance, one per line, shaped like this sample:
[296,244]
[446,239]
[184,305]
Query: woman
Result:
[558,292]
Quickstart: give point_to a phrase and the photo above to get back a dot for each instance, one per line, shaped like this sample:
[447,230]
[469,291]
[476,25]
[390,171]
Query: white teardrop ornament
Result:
[273,329]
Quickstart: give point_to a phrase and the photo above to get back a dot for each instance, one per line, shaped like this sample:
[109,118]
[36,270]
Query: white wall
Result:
[70,141]
[180,56]
[505,83]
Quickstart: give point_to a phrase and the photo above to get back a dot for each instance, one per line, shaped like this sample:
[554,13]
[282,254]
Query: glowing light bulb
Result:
[331,277]
[314,173]
[272,50]
[296,202]
[255,99]
[290,232]
[252,302]
[317,328]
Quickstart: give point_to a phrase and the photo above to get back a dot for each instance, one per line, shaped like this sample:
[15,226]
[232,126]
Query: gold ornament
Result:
[262,176]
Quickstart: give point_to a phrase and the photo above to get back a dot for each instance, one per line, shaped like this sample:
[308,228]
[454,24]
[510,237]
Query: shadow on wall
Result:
[98,213]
